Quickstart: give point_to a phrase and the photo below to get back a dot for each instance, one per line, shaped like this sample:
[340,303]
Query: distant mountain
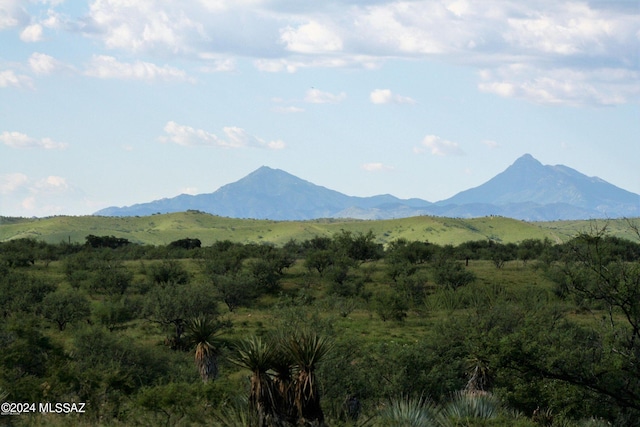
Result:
[526,190]
[274,194]
[530,190]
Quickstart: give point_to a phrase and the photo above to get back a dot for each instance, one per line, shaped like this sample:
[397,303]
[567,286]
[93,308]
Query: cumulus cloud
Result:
[8,78]
[41,63]
[31,33]
[52,184]
[376,167]
[235,137]
[439,146]
[316,96]
[41,196]
[145,25]
[189,190]
[288,109]
[311,37]
[553,41]
[216,65]
[21,140]
[12,14]
[108,67]
[11,182]
[385,96]
[562,85]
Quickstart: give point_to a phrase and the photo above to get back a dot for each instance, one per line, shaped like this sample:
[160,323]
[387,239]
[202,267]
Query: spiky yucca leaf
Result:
[201,334]
[258,356]
[409,412]
[234,414]
[254,354]
[471,405]
[307,349]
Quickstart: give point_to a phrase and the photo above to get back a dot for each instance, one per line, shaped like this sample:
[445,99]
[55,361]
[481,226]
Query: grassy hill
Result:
[162,229]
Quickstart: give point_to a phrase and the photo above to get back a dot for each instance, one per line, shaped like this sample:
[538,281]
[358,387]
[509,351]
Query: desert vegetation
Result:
[337,329]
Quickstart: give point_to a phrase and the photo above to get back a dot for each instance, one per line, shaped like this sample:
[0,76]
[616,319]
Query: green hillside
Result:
[162,229]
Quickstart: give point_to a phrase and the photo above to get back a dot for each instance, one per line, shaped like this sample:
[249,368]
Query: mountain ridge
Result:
[526,190]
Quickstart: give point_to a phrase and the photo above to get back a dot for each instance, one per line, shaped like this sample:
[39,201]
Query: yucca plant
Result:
[479,373]
[468,406]
[201,334]
[283,380]
[307,349]
[409,412]
[259,356]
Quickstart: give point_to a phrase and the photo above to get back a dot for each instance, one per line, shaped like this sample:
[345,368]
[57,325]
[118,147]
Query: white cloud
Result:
[11,182]
[439,146]
[316,96]
[10,79]
[143,25]
[554,39]
[31,33]
[562,85]
[12,14]
[311,37]
[108,67]
[52,184]
[235,137]
[292,65]
[217,65]
[189,190]
[49,195]
[188,136]
[288,109]
[376,167]
[238,137]
[570,28]
[385,96]
[21,140]
[41,63]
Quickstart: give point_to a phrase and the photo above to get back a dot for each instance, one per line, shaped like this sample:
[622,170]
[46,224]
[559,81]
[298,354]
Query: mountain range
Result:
[526,190]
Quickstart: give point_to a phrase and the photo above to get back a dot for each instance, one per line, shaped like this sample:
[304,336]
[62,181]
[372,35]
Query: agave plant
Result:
[409,412]
[307,350]
[201,334]
[258,356]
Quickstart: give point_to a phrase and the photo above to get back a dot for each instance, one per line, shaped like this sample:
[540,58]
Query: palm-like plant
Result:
[258,356]
[201,334]
[479,373]
[307,350]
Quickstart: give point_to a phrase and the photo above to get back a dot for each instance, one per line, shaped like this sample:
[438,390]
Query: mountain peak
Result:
[526,159]
[262,170]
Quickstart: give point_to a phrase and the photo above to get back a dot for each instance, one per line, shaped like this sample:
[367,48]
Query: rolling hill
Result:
[165,228]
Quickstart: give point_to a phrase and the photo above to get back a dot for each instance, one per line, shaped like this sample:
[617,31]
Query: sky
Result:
[116,102]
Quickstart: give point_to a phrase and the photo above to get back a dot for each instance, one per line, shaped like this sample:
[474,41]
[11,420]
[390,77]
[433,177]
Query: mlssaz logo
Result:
[62,408]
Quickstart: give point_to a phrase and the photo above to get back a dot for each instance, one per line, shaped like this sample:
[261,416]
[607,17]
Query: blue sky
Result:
[116,102]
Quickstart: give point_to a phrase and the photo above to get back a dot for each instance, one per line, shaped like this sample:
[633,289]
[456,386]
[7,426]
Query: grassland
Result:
[165,228]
